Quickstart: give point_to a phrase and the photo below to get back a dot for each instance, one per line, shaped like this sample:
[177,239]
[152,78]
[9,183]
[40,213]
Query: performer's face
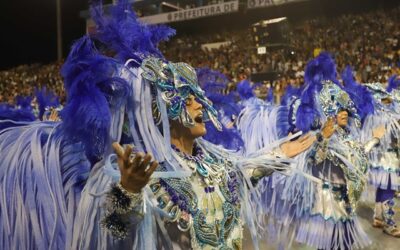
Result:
[342,118]
[195,111]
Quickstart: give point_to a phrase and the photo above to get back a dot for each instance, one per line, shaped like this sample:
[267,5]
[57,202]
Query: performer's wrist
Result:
[132,190]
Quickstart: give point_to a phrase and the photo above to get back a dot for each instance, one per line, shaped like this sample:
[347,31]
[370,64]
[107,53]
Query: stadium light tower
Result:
[59,33]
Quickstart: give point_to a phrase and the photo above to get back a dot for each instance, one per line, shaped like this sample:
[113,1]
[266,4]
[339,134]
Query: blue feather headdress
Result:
[9,112]
[393,83]
[270,95]
[45,100]
[214,83]
[394,87]
[245,90]
[211,81]
[24,102]
[91,89]
[122,32]
[290,94]
[90,77]
[322,96]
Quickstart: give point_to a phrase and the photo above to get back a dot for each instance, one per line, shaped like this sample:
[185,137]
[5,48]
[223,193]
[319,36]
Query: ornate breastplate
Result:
[355,154]
[205,204]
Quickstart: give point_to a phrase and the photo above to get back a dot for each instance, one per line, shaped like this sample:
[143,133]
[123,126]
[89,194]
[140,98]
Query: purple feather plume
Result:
[45,98]
[321,68]
[24,102]
[125,35]
[91,89]
[245,90]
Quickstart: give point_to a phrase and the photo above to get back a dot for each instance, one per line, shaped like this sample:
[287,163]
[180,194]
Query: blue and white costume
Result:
[60,180]
[319,210]
[384,171]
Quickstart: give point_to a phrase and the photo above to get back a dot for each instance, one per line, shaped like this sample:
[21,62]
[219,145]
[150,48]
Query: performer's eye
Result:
[189,100]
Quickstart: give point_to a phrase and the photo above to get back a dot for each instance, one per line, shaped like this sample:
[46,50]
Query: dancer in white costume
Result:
[319,213]
[63,188]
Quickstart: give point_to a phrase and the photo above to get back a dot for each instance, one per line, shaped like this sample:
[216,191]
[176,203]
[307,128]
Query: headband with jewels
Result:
[177,81]
[333,99]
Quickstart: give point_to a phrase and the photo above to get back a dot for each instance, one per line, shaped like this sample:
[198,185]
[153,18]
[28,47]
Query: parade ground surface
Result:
[380,241]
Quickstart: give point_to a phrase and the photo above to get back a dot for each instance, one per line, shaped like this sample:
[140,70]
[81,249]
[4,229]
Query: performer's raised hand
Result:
[135,171]
[329,128]
[293,148]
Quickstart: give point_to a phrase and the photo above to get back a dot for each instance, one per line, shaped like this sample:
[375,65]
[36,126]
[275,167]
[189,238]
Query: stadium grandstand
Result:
[312,155]
[220,35]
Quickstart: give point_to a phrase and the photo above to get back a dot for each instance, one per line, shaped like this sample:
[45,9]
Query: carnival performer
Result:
[339,160]
[63,188]
[321,213]
[385,165]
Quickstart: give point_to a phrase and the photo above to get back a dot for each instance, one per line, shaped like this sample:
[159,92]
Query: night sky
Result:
[28,30]
[28,27]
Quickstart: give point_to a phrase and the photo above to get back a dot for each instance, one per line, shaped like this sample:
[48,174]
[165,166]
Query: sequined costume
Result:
[60,181]
[319,210]
[207,197]
[384,173]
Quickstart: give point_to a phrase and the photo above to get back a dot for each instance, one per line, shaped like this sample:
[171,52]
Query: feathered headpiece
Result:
[45,99]
[24,102]
[322,96]
[9,112]
[290,94]
[211,81]
[177,81]
[393,83]
[92,79]
[214,83]
[124,34]
[245,90]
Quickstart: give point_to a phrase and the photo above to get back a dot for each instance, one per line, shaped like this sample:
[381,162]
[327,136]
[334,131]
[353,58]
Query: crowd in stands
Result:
[369,42]
[22,81]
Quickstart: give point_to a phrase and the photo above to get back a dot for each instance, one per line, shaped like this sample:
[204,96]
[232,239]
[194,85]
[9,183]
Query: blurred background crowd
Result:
[368,41]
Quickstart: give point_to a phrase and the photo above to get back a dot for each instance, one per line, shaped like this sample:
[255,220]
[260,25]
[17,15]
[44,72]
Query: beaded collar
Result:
[205,165]
[198,153]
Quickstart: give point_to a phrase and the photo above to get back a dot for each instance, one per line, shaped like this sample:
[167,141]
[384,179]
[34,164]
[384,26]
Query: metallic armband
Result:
[120,206]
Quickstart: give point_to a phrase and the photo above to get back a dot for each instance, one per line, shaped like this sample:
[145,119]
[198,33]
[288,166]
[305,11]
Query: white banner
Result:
[252,4]
[182,15]
[218,45]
